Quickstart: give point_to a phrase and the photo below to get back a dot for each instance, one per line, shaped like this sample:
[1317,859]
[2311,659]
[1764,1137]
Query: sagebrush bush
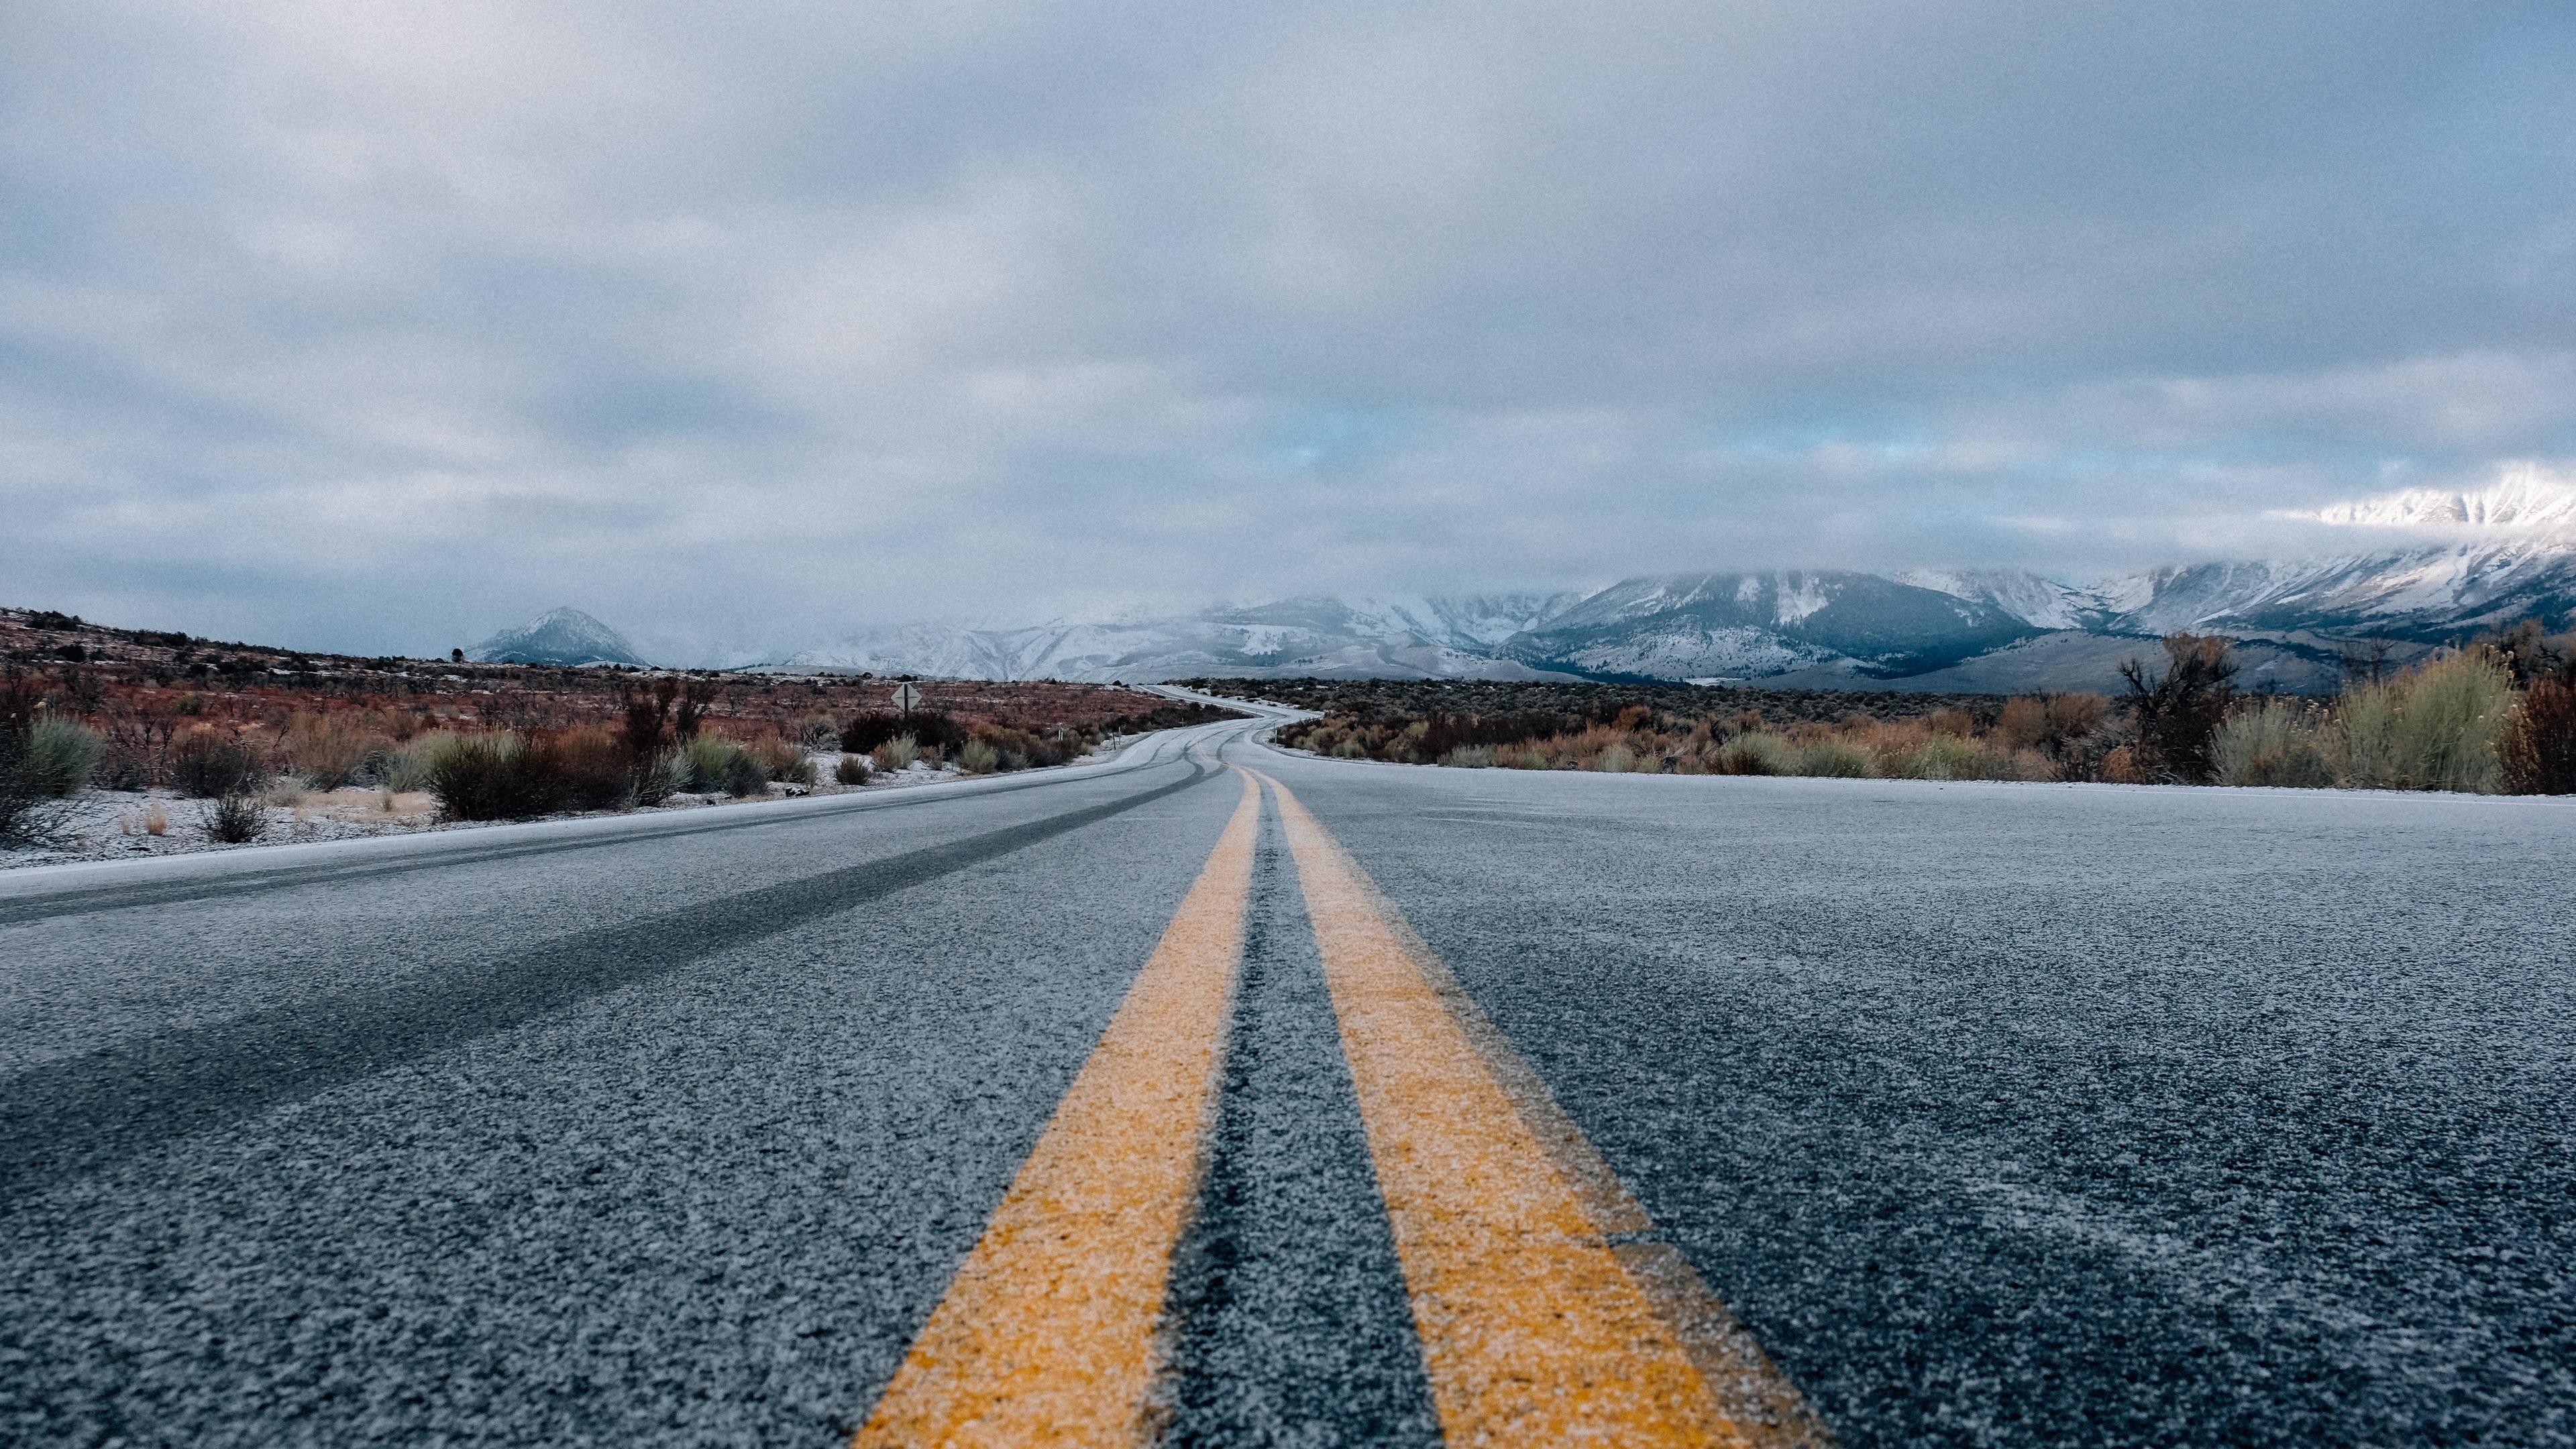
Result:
[852,770]
[25,814]
[895,754]
[2537,753]
[660,777]
[2275,742]
[1758,753]
[2433,727]
[211,764]
[61,753]
[1835,759]
[978,758]
[406,767]
[818,734]
[1469,757]
[718,764]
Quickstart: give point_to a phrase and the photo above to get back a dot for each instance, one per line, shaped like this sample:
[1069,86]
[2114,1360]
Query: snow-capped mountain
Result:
[2423,567]
[1403,637]
[1697,625]
[558,636]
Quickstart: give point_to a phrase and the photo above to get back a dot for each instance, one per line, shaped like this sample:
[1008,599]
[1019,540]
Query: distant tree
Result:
[456,656]
[2528,652]
[2178,714]
[2366,663]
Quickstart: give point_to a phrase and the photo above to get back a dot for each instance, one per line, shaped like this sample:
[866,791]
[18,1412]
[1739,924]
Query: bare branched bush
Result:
[2178,713]
[2538,749]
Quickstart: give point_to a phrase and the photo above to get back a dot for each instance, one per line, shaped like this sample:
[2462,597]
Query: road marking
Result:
[1536,1330]
[1047,1335]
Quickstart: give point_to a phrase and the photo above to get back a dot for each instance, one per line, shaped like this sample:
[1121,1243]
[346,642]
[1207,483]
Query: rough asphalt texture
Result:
[2001,1114]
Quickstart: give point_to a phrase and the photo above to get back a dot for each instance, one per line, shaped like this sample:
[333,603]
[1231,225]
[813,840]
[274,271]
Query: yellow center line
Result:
[1048,1333]
[1536,1329]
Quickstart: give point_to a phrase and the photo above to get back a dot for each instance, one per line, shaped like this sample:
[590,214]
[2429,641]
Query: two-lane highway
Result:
[1233,1097]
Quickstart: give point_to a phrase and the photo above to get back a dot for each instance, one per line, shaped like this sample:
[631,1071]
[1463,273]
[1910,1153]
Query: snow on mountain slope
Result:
[2525,500]
[1401,637]
[2423,567]
[1687,626]
[558,636]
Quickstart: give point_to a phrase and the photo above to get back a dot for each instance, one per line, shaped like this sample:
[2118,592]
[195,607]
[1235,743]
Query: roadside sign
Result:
[905,697]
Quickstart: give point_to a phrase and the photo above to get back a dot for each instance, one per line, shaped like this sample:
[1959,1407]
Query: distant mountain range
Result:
[2433,566]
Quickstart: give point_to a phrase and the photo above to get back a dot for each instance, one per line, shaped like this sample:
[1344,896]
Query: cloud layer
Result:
[374,326]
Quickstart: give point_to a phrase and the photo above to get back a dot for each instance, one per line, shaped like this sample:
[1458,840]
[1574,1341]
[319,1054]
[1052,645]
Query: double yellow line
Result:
[1545,1314]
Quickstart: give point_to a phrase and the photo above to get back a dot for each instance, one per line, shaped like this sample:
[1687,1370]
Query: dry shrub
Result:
[328,749]
[894,754]
[235,820]
[852,770]
[2538,749]
[501,776]
[212,764]
[2121,767]
[2073,716]
[781,760]
[2024,722]
[1956,723]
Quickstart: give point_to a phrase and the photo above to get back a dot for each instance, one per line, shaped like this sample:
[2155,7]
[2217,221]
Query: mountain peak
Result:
[558,636]
[2524,500]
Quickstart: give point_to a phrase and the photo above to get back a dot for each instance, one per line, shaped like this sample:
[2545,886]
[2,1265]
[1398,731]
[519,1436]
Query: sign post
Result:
[905,696]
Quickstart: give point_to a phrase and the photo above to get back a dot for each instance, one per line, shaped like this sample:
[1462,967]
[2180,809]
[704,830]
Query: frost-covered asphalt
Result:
[2000,1114]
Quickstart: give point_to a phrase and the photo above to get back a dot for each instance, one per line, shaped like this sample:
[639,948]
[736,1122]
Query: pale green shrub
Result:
[1469,757]
[60,754]
[407,768]
[2434,727]
[1836,759]
[1616,760]
[896,753]
[717,763]
[2271,743]
[1759,753]
[979,758]
[2454,710]
[1949,757]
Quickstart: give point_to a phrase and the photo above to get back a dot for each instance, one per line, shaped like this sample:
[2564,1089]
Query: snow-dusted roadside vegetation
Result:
[2498,715]
[120,742]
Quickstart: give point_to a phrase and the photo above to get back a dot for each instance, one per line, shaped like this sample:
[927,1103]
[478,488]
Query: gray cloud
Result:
[373,326]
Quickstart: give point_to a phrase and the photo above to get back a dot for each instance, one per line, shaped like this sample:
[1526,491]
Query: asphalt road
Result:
[1997,1114]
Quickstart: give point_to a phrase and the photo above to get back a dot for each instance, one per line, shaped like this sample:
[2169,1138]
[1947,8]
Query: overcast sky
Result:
[376,325]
